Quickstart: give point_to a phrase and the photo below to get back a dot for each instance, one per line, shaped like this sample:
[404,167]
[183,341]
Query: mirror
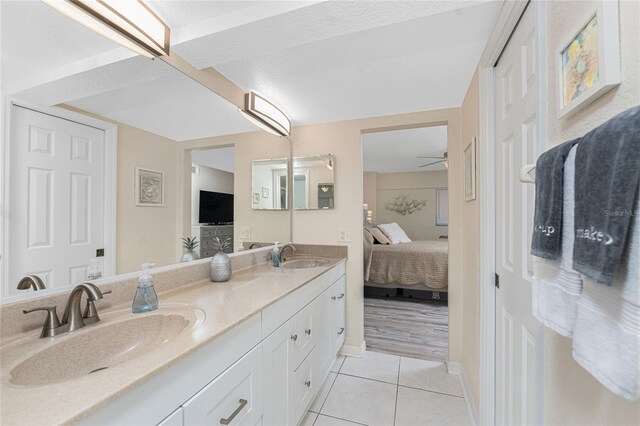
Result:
[313,183]
[125,132]
[269,184]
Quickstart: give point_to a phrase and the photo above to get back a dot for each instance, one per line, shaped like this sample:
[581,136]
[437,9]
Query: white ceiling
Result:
[398,150]
[321,61]
[217,158]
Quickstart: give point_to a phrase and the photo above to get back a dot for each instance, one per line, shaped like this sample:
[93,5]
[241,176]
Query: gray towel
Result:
[607,179]
[547,219]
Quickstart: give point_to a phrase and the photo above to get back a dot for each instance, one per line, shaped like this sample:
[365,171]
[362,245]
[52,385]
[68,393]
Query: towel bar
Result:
[528,174]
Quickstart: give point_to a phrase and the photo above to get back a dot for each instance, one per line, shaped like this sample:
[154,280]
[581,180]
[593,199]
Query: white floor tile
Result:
[428,375]
[361,400]
[337,364]
[309,419]
[373,365]
[332,421]
[418,407]
[324,392]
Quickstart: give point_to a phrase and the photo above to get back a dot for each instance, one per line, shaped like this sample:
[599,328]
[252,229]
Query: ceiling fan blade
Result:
[431,164]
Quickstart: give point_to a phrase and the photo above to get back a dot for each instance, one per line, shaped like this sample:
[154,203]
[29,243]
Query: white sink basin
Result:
[304,263]
[100,346]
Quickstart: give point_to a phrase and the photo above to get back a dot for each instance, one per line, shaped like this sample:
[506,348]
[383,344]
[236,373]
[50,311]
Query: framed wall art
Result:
[149,188]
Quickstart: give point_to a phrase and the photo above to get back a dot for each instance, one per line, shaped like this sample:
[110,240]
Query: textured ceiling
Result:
[321,61]
[397,151]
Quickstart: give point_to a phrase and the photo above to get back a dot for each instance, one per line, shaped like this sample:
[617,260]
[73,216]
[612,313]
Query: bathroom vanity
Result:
[254,350]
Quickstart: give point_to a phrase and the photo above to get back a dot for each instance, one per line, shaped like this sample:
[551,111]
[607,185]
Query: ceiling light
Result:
[129,23]
[265,115]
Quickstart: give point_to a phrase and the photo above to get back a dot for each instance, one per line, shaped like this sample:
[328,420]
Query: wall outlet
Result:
[344,235]
[245,232]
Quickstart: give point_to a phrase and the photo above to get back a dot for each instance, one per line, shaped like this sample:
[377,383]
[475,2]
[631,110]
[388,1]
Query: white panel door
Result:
[56,198]
[516,144]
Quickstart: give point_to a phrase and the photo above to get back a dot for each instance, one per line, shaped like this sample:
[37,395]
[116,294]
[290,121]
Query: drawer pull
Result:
[294,337]
[308,383]
[341,330]
[341,296]
[228,420]
[308,331]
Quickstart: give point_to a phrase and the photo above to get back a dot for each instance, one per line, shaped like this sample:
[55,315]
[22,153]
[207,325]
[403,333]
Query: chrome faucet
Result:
[73,314]
[283,248]
[31,281]
[73,318]
[254,245]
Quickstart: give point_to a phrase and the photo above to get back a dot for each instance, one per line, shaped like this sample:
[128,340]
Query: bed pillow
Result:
[394,233]
[378,235]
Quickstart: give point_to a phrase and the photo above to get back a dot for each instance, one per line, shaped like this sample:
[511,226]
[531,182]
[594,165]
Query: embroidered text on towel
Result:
[593,234]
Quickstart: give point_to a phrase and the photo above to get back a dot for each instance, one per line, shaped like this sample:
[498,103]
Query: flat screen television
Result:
[215,208]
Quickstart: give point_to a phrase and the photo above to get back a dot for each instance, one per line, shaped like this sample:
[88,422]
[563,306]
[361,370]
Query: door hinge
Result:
[497,280]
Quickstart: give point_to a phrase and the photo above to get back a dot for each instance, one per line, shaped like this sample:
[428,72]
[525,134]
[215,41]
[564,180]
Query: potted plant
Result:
[189,244]
[220,266]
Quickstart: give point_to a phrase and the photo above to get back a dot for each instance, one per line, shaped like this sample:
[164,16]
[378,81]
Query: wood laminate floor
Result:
[412,328]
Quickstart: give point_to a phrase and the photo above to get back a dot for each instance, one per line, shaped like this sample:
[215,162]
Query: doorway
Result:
[405,213]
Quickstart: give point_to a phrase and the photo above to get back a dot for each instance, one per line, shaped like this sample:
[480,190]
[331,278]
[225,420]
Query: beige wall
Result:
[145,234]
[208,179]
[344,140]
[370,193]
[265,225]
[420,225]
[571,395]
[470,357]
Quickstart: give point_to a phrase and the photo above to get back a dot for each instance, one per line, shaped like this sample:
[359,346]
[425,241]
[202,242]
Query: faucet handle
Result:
[90,314]
[51,323]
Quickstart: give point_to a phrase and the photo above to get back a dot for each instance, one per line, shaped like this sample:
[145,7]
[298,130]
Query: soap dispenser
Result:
[146,299]
[275,256]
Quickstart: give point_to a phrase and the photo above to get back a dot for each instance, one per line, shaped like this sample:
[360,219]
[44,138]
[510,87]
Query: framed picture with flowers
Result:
[589,60]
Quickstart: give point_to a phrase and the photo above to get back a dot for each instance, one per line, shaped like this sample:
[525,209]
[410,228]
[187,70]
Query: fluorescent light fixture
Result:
[129,23]
[265,115]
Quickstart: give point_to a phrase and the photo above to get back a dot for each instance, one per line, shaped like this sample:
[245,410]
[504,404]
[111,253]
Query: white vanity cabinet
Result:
[234,397]
[267,370]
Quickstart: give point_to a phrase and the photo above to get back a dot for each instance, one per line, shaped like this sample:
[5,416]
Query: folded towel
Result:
[547,219]
[607,179]
[556,286]
[607,333]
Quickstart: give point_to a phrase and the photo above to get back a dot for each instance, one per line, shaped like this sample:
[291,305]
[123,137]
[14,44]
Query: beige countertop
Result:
[212,309]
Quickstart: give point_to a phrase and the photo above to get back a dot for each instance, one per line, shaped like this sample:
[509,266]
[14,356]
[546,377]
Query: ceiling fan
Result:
[444,159]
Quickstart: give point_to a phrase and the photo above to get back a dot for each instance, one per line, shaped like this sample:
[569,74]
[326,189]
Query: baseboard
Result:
[457,369]
[353,351]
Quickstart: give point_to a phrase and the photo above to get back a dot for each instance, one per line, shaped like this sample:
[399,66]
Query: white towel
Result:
[556,286]
[606,339]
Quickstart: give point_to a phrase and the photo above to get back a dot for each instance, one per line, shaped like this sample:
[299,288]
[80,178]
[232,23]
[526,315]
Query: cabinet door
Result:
[304,384]
[324,353]
[277,360]
[338,304]
[173,419]
[303,334]
[234,398]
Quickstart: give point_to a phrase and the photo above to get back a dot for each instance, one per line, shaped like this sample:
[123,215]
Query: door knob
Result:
[294,337]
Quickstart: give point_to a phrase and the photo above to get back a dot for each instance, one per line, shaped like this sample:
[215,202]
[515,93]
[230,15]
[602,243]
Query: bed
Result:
[419,265]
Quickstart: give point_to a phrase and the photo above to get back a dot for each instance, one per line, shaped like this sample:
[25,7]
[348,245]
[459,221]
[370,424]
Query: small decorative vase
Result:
[220,268]
[189,256]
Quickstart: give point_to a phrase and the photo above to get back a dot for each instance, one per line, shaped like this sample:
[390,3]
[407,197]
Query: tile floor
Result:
[386,390]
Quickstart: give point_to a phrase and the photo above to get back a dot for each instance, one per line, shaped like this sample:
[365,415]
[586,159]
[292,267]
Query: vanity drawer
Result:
[303,334]
[173,419]
[304,387]
[233,398]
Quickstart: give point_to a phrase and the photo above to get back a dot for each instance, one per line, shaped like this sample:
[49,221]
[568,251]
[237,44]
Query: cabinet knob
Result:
[341,330]
[308,331]
[308,383]
[294,337]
